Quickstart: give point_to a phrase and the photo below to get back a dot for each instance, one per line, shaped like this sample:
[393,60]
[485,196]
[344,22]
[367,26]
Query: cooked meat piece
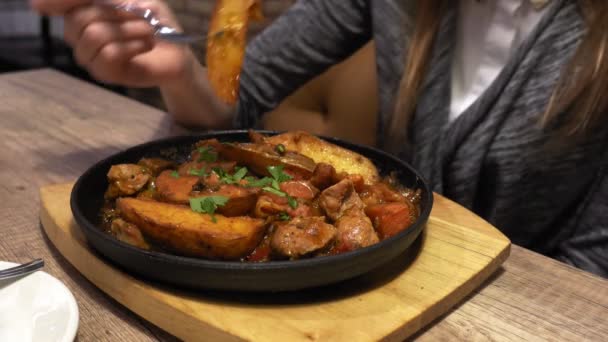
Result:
[379,193]
[391,218]
[126,180]
[128,233]
[323,176]
[302,236]
[299,189]
[256,138]
[174,188]
[339,198]
[241,200]
[210,147]
[156,165]
[271,205]
[342,204]
[355,231]
[357,180]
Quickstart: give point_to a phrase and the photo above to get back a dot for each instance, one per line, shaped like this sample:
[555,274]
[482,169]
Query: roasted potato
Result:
[194,234]
[257,157]
[321,151]
[226,40]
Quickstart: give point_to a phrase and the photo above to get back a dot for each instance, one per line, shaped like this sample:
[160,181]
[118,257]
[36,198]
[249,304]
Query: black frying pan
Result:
[87,199]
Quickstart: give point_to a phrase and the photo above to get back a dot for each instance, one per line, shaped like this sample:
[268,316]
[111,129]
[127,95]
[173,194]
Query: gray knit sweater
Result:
[492,159]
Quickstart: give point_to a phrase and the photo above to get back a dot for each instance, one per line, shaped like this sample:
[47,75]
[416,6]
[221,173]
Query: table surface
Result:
[53,127]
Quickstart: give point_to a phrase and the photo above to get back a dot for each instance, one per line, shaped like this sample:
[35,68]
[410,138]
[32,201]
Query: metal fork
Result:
[161,31]
[21,270]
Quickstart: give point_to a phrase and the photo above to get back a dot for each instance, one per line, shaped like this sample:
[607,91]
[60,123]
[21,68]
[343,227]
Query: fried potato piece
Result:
[190,233]
[226,42]
[258,157]
[321,151]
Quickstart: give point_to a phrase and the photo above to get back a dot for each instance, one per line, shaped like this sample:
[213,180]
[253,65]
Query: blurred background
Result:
[30,41]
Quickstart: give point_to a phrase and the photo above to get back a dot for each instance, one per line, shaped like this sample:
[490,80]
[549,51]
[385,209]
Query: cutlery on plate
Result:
[161,31]
[21,270]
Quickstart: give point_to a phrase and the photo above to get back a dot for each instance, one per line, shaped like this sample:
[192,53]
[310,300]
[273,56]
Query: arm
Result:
[587,248]
[342,102]
[310,37]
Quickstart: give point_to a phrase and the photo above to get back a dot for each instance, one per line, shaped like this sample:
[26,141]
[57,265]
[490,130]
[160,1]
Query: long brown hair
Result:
[582,87]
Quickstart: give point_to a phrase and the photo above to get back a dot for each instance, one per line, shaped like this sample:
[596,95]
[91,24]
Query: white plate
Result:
[37,308]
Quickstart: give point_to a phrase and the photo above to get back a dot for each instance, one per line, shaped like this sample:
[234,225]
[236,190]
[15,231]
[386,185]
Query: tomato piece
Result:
[390,218]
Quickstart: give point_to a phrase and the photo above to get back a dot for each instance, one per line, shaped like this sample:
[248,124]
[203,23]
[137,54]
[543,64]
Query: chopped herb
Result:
[258,183]
[274,191]
[174,174]
[227,178]
[275,184]
[219,171]
[207,154]
[277,173]
[208,204]
[280,148]
[283,216]
[292,202]
[239,174]
[201,173]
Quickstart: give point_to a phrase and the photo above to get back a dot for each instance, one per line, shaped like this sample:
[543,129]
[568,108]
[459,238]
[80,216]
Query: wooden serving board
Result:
[456,253]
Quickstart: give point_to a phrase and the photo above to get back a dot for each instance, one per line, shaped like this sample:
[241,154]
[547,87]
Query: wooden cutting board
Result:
[456,253]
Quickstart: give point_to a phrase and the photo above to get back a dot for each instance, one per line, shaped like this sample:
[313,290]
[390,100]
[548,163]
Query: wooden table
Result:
[53,127]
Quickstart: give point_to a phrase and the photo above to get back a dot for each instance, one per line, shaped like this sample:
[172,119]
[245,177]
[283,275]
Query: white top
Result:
[488,33]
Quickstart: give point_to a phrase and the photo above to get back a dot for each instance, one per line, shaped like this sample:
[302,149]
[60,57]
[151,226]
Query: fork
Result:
[21,270]
[161,31]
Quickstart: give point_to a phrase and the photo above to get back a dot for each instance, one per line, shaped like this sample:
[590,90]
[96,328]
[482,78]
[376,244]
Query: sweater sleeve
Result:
[307,39]
[587,247]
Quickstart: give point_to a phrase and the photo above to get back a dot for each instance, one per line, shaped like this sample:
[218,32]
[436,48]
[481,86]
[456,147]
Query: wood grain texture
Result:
[53,127]
[449,262]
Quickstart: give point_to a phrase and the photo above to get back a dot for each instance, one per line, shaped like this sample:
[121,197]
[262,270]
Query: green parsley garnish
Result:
[239,174]
[227,178]
[274,191]
[208,204]
[174,174]
[283,216]
[277,173]
[201,173]
[258,183]
[207,154]
[292,202]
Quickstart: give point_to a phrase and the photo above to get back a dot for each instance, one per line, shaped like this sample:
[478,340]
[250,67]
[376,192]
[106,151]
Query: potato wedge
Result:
[226,40]
[257,157]
[189,233]
[321,151]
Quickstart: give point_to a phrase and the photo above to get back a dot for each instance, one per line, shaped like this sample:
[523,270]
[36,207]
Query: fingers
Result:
[111,64]
[104,40]
[57,7]
[97,35]
[77,19]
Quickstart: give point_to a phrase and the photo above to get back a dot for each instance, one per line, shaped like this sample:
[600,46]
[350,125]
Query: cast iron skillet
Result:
[87,199]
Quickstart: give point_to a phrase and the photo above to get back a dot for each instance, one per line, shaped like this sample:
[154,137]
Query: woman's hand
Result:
[116,47]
